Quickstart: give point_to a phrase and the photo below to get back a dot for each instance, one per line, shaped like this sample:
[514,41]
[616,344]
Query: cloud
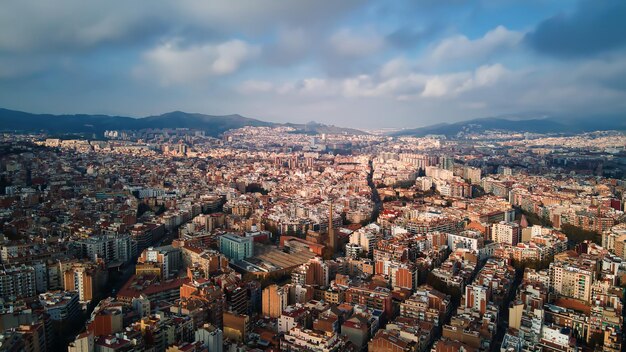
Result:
[72,25]
[173,63]
[594,27]
[394,67]
[409,36]
[254,86]
[292,45]
[450,85]
[346,62]
[439,86]
[21,66]
[76,25]
[461,48]
[255,17]
[485,76]
[400,84]
[349,42]
[316,86]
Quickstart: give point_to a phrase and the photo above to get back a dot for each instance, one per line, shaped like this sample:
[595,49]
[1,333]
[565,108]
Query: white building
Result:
[365,237]
[111,248]
[467,239]
[353,250]
[506,232]
[571,281]
[211,337]
[437,173]
[424,183]
[556,335]
[307,340]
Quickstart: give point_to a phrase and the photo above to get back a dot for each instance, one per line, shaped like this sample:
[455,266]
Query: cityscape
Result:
[481,221]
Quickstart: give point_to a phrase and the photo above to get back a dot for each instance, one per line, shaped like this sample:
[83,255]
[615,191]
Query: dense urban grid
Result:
[271,239]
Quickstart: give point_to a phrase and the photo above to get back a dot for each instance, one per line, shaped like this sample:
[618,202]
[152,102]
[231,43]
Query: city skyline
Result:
[262,238]
[313,176]
[357,64]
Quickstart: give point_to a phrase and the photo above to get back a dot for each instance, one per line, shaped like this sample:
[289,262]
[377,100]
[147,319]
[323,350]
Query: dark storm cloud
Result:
[75,25]
[594,27]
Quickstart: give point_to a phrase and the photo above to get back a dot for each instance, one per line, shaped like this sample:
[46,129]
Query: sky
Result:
[363,64]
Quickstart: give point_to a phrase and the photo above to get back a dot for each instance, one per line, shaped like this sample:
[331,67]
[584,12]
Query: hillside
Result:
[11,120]
[554,124]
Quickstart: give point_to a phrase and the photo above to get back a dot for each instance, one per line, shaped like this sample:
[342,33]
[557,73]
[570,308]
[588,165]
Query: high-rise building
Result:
[210,296]
[615,241]
[505,170]
[506,232]
[86,278]
[17,282]
[113,249]
[404,275]
[516,309]
[472,174]
[236,326]
[446,163]
[437,173]
[353,250]
[476,297]
[572,280]
[275,299]
[236,247]
[167,258]
[313,272]
[62,306]
[237,299]
[182,148]
[211,337]
[365,237]
[379,298]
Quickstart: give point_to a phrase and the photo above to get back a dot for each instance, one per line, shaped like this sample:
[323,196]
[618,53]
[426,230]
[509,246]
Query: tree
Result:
[578,235]
[534,219]
[404,184]
[142,208]
[439,285]
[533,264]
[161,209]
[256,188]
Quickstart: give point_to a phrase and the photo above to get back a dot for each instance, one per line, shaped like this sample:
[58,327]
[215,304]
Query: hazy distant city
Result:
[411,176]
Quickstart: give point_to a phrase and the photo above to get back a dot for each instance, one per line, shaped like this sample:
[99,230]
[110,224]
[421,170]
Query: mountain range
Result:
[11,120]
[542,124]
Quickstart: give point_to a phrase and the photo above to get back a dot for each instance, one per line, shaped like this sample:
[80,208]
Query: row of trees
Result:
[577,234]
[143,207]
[455,292]
[521,265]
[534,219]
[574,233]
